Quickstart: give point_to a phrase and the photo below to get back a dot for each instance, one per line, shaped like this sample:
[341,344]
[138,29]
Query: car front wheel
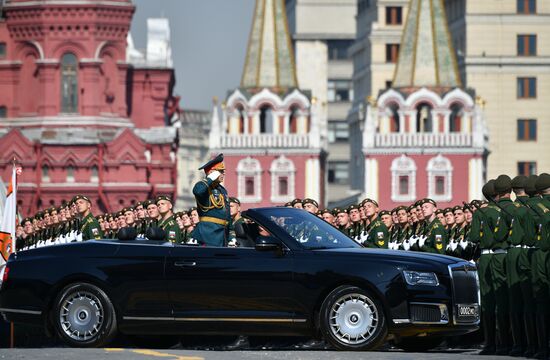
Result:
[352,319]
[84,316]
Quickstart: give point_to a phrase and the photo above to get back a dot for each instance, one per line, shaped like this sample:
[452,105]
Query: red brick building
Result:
[77,111]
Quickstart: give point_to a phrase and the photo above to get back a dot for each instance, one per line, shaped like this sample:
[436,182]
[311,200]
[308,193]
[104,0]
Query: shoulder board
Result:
[171,223]
[90,220]
[517,205]
[376,223]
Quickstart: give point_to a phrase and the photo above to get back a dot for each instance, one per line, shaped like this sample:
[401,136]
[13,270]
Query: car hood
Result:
[395,255]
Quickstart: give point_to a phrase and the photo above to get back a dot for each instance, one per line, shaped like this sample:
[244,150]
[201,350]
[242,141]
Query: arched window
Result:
[282,179]
[403,171]
[45,173]
[70,173]
[440,181]
[242,119]
[424,121]
[94,175]
[267,119]
[455,119]
[3,112]
[394,118]
[249,180]
[293,120]
[69,84]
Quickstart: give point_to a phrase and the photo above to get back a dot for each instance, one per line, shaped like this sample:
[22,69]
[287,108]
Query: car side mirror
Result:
[267,243]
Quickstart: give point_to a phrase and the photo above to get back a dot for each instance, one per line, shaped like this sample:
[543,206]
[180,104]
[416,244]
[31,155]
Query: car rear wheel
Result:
[352,319]
[84,316]
[419,344]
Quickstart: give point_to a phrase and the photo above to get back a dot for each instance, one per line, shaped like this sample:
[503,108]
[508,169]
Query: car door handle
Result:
[185,263]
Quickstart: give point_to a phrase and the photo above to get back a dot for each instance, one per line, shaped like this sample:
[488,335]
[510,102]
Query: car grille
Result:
[465,290]
[426,313]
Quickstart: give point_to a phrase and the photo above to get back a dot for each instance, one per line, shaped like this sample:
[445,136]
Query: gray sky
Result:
[209,39]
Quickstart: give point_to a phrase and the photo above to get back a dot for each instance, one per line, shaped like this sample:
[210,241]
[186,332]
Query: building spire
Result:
[269,59]
[426,56]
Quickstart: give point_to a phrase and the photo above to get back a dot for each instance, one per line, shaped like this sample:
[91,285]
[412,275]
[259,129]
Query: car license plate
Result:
[468,311]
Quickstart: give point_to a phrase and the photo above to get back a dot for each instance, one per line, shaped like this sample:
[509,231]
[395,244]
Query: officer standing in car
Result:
[212,205]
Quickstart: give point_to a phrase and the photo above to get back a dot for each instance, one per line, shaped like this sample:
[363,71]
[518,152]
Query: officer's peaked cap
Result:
[519,182]
[543,182]
[216,163]
[503,184]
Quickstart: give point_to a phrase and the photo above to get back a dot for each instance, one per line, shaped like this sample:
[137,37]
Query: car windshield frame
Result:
[271,219]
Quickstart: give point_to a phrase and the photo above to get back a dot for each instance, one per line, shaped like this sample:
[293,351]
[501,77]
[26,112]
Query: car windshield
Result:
[309,230]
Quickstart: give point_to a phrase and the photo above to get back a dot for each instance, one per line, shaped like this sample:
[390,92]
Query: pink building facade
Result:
[76,113]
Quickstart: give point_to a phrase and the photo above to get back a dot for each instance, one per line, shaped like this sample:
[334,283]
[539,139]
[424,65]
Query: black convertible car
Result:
[298,276]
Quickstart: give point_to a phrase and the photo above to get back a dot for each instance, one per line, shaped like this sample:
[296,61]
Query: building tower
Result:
[269,132]
[82,112]
[425,136]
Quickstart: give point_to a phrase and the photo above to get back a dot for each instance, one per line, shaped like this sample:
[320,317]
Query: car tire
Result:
[83,316]
[419,344]
[352,319]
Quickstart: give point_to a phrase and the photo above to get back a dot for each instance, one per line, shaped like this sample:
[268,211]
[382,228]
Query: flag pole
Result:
[12,328]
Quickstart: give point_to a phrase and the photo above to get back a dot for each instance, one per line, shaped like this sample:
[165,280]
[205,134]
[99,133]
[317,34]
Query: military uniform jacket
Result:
[378,234]
[436,238]
[173,232]
[542,222]
[529,226]
[215,216]
[484,222]
[515,215]
[90,228]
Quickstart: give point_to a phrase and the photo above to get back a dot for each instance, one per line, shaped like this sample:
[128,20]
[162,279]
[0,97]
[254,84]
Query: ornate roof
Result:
[269,59]
[426,56]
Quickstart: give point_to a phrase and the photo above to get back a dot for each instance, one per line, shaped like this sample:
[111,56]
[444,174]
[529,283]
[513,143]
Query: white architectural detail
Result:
[159,50]
[249,169]
[371,178]
[475,169]
[403,168]
[313,174]
[282,167]
[440,169]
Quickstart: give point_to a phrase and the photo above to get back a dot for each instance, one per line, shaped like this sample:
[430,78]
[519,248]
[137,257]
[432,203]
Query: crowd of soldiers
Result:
[508,240]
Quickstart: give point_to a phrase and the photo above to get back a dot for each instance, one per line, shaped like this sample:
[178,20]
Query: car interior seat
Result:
[127,233]
[245,234]
[155,233]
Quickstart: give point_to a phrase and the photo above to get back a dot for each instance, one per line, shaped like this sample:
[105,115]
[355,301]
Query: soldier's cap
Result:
[530,185]
[39,215]
[488,189]
[119,214]
[448,210]
[46,211]
[214,164]
[439,211]
[428,201]
[326,211]
[353,207]
[296,201]
[25,220]
[179,214]
[148,202]
[234,200]
[83,197]
[369,200]
[401,207]
[411,208]
[126,209]
[288,204]
[100,217]
[337,211]
[163,197]
[466,208]
[384,212]
[458,207]
[110,217]
[519,182]
[418,203]
[543,182]
[140,203]
[192,209]
[318,212]
[52,209]
[503,184]
[310,201]
[476,203]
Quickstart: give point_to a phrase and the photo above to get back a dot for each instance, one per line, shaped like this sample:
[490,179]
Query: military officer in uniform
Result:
[167,221]
[236,218]
[377,233]
[212,205]
[90,227]
[434,233]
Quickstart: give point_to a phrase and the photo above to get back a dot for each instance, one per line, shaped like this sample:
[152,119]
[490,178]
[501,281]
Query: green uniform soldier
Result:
[435,235]
[235,209]
[168,222]
[378,234]
[90,227]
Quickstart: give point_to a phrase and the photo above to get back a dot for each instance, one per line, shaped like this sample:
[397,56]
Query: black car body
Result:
[302,277]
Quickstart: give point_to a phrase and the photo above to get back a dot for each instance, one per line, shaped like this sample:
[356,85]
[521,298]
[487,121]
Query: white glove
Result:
[413,240]
[406,245]
[364,236]
[454,245]
[214,175]
[463,244]
[232,243]
[421,241]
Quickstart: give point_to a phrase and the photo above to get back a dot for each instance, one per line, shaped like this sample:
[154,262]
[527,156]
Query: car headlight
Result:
[420,278]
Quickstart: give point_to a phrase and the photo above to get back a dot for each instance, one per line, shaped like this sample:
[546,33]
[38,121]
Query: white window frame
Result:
[249,167]
[282,167]
[440,166]
[403,166]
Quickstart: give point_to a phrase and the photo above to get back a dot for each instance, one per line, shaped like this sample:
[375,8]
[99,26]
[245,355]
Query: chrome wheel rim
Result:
[81,315]
[353,319]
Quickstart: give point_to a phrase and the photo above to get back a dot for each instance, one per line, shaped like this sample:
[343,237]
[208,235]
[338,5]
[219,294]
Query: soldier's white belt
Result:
[498,251]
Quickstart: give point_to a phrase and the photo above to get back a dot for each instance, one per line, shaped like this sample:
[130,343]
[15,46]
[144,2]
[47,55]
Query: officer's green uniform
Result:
[378,234]
[213,208]
[90,228]
[173,232]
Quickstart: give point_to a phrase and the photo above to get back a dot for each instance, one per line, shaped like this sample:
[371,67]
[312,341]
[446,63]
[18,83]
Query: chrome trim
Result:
[470,267]
[19,311]
[273,320]
[401,321]
[443,313]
